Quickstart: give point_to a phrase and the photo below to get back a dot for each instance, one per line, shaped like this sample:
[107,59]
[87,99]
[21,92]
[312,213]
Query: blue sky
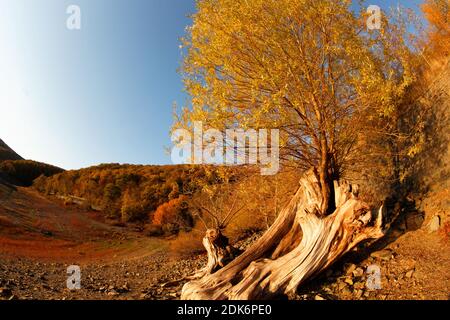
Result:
[96,95]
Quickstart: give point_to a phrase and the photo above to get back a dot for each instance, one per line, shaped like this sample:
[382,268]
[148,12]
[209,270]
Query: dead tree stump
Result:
[301,243]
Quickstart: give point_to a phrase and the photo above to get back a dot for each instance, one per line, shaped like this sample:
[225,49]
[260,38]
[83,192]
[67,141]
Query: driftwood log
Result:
[300,244]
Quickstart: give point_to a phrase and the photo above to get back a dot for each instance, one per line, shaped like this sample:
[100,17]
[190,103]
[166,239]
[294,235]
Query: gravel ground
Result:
[412,266]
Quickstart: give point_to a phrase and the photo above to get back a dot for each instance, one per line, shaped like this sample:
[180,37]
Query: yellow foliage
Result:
[303,67]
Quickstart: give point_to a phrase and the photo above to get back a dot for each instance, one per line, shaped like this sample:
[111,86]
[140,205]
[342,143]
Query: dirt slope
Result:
[36,227]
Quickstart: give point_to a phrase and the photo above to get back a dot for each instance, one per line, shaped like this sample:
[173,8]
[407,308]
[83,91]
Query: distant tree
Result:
[175,193]
[173,215]
[131,209]
[112,192]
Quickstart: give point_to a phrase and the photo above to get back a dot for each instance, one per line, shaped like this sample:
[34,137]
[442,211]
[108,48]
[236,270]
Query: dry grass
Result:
[187,244]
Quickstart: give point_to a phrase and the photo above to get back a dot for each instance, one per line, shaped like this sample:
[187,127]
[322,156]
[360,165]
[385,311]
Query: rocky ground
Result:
[412,260]
[407,271]
[137,278]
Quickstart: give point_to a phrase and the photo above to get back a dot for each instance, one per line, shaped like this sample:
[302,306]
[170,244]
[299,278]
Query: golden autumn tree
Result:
[304,67]
[168,212]
[310,69]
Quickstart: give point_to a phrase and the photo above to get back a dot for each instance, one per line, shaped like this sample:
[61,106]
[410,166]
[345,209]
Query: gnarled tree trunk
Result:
[301,243]
[219,251]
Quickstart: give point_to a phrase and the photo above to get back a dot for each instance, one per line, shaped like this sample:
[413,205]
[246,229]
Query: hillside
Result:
[17,171]
[126,193]
[6,153]
[434,169]
[24,172]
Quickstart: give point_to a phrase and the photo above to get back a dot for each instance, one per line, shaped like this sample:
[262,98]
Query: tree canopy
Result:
[309,68]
